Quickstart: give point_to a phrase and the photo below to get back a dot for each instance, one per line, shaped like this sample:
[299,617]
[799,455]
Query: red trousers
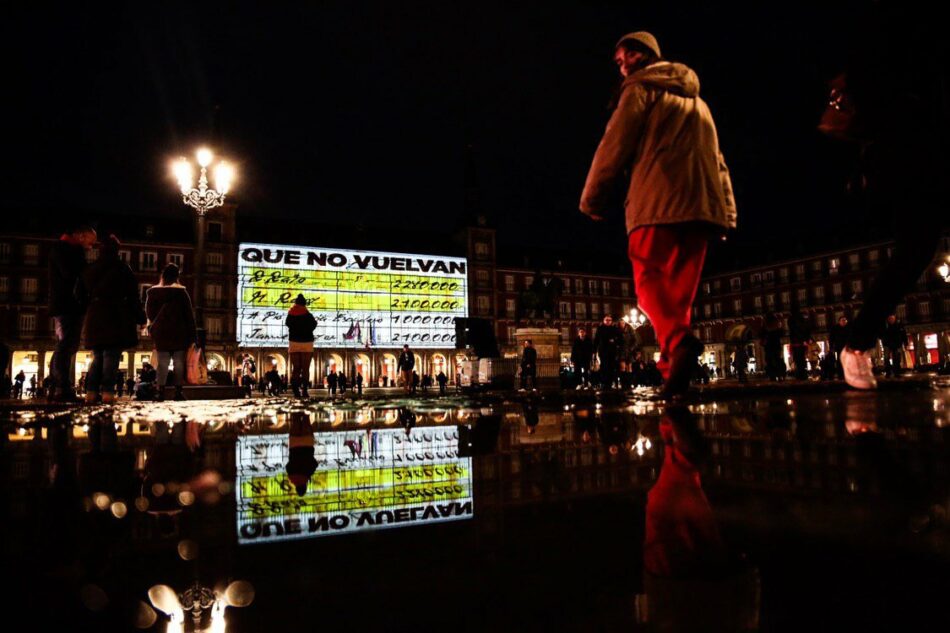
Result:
[667,261]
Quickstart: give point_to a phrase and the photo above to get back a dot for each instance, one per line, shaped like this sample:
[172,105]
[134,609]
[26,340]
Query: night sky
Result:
[370,113]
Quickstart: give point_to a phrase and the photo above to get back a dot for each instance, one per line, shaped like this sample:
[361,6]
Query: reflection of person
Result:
[531,418]
[300,325]
[301,463]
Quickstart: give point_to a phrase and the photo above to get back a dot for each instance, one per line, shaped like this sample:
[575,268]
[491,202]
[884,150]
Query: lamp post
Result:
[202,198]
[944,271]
[635,318]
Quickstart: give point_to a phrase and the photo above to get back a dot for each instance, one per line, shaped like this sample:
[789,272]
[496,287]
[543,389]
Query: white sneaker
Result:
[858,369]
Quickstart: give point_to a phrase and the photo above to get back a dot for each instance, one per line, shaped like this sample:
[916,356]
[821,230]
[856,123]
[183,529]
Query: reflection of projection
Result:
[358,298]
[367,479]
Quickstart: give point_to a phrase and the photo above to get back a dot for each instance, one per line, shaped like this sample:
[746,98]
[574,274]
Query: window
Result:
[707,311]
[816,266]
[126,256]
[484,305]
[215,231]
[148,261]
[565,334]
[874,256]
[854,260]
[481,276]
[214,260]
[770,301]
[735,284]
[799,271]
[5,252]
[707,333]
[481,249]
[836,290]
[821,320]
[923,309]
[737,306]
[625,289]
[717,285]
[594,310]
[758,302]
[580,310]
[768,276]
[29,286]
[717,309]
[606,288]
[901,312]
[176,258]
[707,289]
[27,323]
[213,293]
[578,287]
[214,326]
[755,279]
[592,286]
[4,286]
[803,296]
[786,299]
[564,309]
[818,292]
[834,265]
[783,274]
[510,307]
[510,283]
[857,286]
[31,254]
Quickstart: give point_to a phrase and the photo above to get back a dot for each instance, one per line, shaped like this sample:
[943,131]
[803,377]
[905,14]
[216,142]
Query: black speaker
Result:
[478,335]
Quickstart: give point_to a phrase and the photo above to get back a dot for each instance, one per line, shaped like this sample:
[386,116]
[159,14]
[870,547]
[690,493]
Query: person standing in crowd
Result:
[172,327]
[900,99]
[662,149]
[130,385]
[33,386]
[272,380]
[406,363]
[629,344]
[18,381]
[359,384]
[67,259]
[248,371]
[893,338]
[300,325]
[740,362]
[799,335]
[582,351]
[607,343]
[442,380]
[113,313]
[119,383]
[331,382]
[341,382]
[837,340]
[529,366]
[771,337]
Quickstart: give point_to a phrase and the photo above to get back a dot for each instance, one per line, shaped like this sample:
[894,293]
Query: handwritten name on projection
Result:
[293,257]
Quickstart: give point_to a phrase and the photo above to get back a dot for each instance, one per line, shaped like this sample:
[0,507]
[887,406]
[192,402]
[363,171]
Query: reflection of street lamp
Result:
[198,599]
[201,199]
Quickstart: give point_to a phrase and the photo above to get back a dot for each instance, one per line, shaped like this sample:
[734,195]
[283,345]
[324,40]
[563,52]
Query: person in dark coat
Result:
[799,334]
[893,338]
[838,339]
[772,342]
[172,327]
[300,325]
[67,259]
[607,342]
[331,382]
[741,363]
[442,380]
[113,314]
[359,384]
[581,354]
[341,381]
[529,366]
[406,363]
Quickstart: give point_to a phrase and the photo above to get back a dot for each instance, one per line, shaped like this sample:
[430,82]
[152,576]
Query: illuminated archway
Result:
[437,364]
[334,363]
[83,361]
[216,362]
[387,369]
[274,360]
[363,366]
[29,364]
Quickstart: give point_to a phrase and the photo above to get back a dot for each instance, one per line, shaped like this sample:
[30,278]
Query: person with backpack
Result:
[108,290]
[300,326]
[172,327]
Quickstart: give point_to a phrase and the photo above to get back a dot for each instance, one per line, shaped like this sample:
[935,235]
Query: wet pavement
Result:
[772,510]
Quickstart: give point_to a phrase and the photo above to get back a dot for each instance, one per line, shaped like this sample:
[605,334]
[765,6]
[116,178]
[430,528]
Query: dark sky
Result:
[358,112]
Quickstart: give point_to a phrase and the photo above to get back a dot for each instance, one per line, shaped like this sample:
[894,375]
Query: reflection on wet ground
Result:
[813,511]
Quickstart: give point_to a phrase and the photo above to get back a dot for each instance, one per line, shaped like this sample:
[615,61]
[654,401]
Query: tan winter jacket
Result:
[663,138]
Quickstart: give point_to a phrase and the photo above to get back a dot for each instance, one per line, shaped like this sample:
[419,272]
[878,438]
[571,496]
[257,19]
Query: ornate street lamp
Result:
[635,318]
[198,600]
[202,198]
[944,271]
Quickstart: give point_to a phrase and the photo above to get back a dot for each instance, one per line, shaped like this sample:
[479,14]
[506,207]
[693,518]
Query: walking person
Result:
[442,379]
[661,146]
[893,339]
[359,384]
[582,351]
[406,363]
[18,381]
[32,391]
[110,292]
[67,259]
[837,340]
[740,363]
[172,327]
[529,366]
[248,371]
[607,343]
[300,326]
[899,100]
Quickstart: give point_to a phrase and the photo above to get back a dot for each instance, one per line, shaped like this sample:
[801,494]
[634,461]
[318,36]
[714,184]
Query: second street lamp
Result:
[202,198]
